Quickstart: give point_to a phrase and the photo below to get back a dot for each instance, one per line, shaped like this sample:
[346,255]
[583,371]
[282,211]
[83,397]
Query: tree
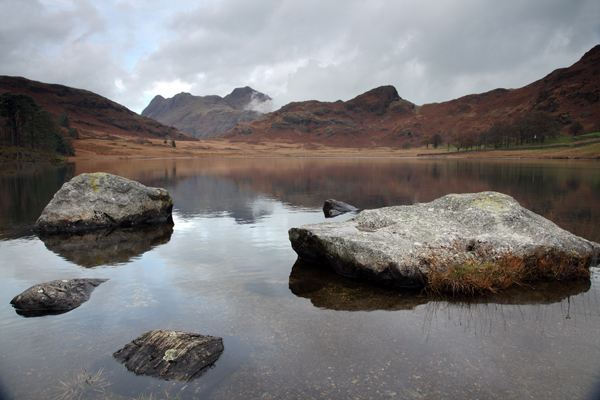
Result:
[18,109]
[436,140]
[29,125]
[575,129]
[173,142]
[425,140]
[64,120]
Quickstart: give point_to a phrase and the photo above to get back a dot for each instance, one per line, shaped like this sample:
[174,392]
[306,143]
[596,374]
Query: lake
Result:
[292,330]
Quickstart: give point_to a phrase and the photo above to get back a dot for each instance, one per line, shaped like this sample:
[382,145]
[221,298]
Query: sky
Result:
[293,50]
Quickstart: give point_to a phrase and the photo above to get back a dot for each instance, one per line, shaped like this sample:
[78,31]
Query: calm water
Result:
[291,330]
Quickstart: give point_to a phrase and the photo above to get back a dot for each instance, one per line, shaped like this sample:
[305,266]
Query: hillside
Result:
[205,116]
[380,117]
[93,115]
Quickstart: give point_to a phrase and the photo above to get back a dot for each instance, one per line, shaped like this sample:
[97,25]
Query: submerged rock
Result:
[55,297]
[107,246]
[333,208]
[170,355]
[399,245]
[101,200]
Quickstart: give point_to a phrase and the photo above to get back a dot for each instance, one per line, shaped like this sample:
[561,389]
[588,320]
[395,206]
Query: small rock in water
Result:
[170,355]
[55,297]
[333,208]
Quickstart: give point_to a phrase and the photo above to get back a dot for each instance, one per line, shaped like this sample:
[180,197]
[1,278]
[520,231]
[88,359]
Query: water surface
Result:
[291,330]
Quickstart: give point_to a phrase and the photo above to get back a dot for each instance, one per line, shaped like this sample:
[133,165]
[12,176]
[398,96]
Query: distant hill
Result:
[92,114]
[205,116]
[380,117]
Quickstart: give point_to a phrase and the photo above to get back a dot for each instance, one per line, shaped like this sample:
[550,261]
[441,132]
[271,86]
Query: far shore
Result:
[130,148]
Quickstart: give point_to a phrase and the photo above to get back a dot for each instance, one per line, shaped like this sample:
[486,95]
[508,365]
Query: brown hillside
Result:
[381,118]
[92,114]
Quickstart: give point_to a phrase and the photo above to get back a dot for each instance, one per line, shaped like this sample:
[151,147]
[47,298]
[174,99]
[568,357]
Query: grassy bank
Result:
[20,155]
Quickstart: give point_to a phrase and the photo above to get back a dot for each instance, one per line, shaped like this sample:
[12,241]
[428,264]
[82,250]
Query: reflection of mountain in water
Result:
[105,247]
[565,193]
[326,289]
[208,195]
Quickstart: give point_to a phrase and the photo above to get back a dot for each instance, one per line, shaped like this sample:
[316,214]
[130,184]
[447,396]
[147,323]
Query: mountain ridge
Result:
[205,116]
[93,115]
[380,117]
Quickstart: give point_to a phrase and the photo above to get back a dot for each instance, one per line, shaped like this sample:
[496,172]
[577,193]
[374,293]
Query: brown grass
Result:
[115,147]
[489,272]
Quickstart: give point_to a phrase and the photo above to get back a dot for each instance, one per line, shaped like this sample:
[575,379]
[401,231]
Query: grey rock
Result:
[170,355]
[55,297]
[101,200]
[392,244]
[333,208]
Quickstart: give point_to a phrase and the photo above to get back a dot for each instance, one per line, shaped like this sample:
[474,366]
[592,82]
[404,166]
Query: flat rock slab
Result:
[170,355]
[392,244]
[101,200]
[55,297]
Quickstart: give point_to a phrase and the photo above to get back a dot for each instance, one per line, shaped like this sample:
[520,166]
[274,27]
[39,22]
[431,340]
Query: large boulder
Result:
[170,355]
[54,297]
[403,245]
[100,200]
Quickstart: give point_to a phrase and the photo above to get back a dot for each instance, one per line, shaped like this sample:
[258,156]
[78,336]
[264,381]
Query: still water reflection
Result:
[226,269]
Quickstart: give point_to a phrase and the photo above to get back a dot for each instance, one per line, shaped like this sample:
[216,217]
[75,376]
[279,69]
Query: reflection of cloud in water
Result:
[215,197]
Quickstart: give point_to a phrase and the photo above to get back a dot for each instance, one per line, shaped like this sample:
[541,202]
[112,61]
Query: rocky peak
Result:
[242,98]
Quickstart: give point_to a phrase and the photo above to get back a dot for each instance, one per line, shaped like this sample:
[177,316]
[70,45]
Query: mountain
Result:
[380,117]
[92,114]
[204,116]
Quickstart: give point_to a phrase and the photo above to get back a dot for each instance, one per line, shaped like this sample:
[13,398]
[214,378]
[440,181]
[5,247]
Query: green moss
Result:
[493,203]
[96,177]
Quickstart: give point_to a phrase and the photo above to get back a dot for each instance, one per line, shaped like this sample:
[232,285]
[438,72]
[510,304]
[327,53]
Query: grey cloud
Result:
[292,50]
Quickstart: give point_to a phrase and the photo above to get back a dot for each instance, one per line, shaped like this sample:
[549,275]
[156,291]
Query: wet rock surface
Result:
[393,244]
[54,297]
[170,355]
[333,208]
[107,246]
[100,200]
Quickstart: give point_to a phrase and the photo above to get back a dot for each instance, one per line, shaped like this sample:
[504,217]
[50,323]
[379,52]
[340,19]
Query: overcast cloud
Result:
[431,51]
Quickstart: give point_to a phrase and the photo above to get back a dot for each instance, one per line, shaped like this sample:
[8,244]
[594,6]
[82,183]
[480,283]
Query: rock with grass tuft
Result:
[455,235]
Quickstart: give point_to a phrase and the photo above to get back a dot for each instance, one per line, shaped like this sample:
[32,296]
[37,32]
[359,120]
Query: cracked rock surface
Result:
[171,355]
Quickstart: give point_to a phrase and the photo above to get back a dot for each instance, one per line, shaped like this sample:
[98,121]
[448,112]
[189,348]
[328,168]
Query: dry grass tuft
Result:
[485,271]
[84,385]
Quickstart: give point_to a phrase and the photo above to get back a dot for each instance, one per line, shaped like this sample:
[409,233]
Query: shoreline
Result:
[127,148]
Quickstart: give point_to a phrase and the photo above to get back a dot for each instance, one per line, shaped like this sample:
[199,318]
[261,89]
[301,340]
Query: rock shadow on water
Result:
[329,290]
[107,246]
